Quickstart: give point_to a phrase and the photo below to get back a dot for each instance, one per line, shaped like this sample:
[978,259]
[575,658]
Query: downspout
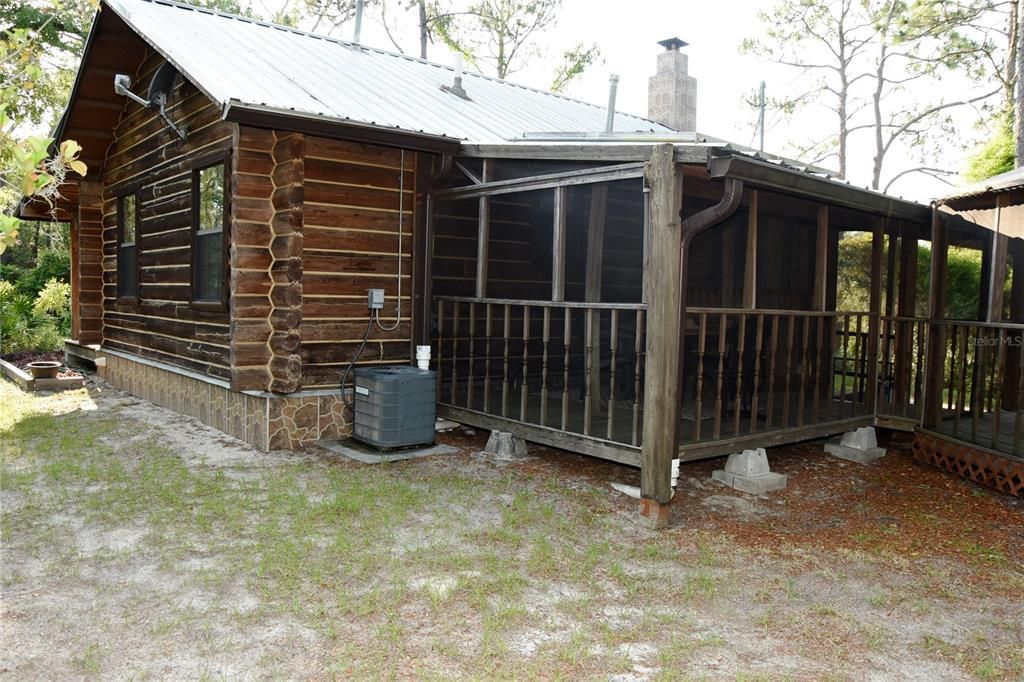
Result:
[732,197]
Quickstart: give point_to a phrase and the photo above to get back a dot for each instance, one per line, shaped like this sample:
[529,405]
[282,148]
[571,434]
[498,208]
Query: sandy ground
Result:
[137,543]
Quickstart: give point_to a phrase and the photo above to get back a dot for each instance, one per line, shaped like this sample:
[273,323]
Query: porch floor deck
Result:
[800,425]
[992,431]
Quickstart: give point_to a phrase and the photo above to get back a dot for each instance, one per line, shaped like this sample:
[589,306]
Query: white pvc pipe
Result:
[423,357]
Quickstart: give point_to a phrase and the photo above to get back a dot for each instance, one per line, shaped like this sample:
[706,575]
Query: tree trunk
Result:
[876,103]
[424,30]
[1018,124]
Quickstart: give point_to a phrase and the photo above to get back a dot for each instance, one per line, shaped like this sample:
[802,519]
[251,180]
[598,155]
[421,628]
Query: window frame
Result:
[123,297]
[204,163]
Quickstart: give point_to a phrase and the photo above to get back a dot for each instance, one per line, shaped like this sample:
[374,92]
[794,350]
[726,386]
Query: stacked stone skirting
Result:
[979,465]
[263,420]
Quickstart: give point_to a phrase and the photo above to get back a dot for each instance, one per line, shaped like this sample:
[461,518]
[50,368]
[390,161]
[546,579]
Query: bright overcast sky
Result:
[627,33]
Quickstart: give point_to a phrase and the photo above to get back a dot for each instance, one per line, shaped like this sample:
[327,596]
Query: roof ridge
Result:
[360,46]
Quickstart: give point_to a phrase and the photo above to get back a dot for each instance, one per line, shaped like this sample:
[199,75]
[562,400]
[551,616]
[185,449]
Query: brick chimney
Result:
[672,92]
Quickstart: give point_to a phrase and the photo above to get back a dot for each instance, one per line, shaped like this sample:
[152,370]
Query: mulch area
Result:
[892,506]
[22,359]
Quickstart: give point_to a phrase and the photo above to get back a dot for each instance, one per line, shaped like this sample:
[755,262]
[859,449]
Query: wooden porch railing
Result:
[571,370]
[902,368]
[981,395]
[752,373]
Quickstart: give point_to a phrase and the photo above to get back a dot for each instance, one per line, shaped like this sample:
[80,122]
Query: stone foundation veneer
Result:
[264,420]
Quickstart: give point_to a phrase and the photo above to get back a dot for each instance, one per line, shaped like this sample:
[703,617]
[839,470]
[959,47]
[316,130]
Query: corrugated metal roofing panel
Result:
[241,61]
[1003,182]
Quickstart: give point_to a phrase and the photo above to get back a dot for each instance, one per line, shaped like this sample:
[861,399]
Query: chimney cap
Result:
[672,43]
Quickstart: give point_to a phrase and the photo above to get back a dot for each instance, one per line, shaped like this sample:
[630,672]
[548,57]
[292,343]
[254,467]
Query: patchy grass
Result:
[129,550]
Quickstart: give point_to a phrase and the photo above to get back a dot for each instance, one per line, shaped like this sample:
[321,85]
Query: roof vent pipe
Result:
[613,86]
[456,87]
[359,22]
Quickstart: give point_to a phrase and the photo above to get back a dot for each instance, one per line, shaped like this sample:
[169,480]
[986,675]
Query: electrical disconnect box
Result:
[375,299]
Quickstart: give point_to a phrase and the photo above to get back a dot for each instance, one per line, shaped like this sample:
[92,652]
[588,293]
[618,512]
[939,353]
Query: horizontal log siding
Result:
[147,157]
[350,244]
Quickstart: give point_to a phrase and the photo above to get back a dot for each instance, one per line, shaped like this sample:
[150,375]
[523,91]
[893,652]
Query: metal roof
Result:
[241,63]
[1003,182]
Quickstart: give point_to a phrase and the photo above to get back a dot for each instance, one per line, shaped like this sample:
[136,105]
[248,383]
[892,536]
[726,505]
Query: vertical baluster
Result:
[770,398]
[737,403]
[758,348]
[567,341]
[440,349]
[544,368]
[506,333]
[962,381]
[845,356]
[524,383]
[698,413]
[919,379]
[524,387]
[488,348]
[820,350]
[954,343]
[885,378]
[613,348]
[998,377]
[789,370]
[833,339]
[1018,420]
[638,350]
[978,382]
[588,358]
[996,336]
[858,370]
[472,355]
[455,352]
[806,338]
[721,375]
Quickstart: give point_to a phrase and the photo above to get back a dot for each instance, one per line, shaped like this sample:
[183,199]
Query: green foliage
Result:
[500,35]
[40,324]
[996,156]
[575,61]
[52,265]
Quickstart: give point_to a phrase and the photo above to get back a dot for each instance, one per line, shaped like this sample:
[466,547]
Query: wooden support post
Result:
[750,261]
[483,236]
[558,244]
[999,248]
[936,353]
[906,307]
[592,287]
[663,286]
[821,260]
[875,305]
[1013,365]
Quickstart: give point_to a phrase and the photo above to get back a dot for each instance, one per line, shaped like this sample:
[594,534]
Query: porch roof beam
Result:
[585,176]
[593,151]
[791,181]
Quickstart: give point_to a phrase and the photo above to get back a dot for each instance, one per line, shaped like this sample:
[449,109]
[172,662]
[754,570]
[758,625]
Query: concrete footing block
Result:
[503,445]
[859,446]
[748,472]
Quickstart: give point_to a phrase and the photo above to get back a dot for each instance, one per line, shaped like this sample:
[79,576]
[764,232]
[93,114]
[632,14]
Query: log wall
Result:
[148,158]
[351,244]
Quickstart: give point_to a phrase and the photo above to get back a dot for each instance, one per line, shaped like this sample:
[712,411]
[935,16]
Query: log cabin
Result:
[617,286]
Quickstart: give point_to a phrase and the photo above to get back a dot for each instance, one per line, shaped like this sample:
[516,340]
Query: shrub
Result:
[55,300]
[51,265]
[39,325]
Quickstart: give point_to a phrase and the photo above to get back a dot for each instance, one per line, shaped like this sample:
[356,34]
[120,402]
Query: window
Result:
[127,248]
[208,217]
